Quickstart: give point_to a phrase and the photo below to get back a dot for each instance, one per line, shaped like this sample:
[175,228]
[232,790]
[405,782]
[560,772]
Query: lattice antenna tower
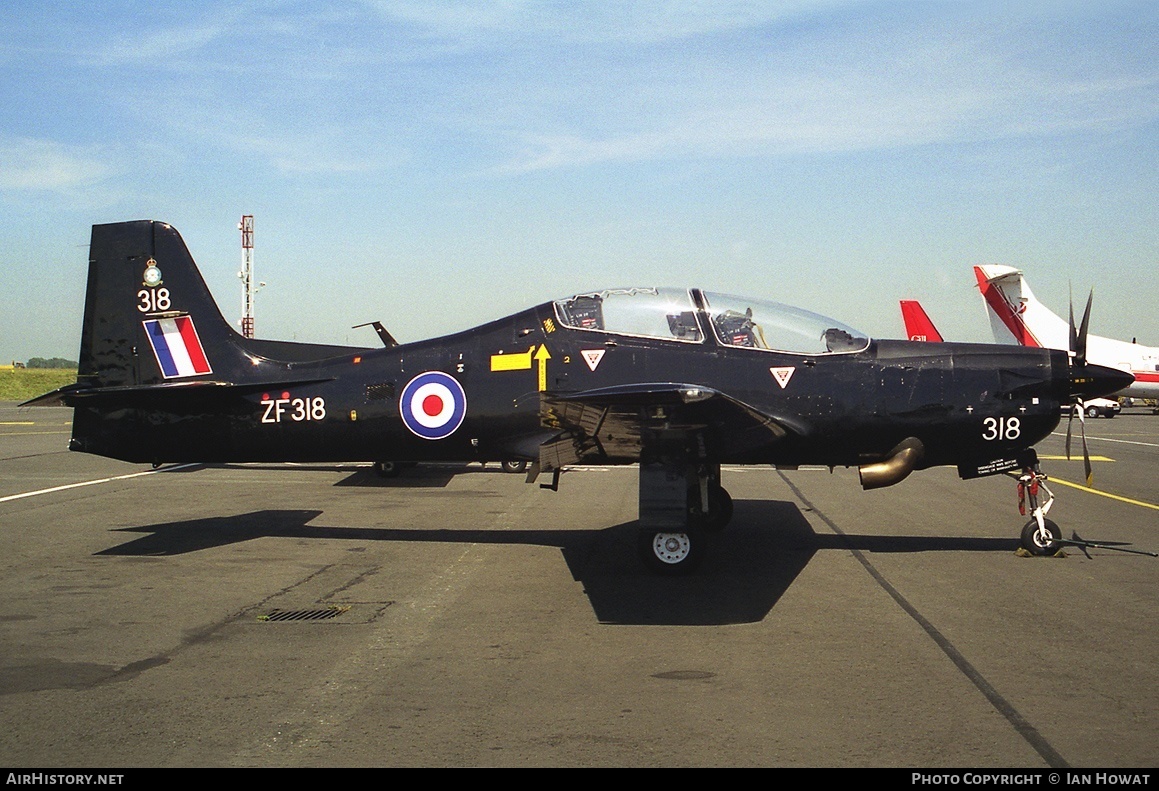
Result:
[246,226]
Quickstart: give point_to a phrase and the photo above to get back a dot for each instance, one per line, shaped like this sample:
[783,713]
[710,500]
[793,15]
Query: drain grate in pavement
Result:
[303,615]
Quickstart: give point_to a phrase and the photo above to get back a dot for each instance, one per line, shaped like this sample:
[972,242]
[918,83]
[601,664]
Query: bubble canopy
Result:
[692,315]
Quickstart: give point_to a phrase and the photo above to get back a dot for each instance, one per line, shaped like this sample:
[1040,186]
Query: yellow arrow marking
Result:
[512,362]
[541,357]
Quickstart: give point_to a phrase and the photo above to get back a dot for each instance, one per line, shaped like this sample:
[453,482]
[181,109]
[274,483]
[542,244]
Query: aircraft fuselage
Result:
[965,402]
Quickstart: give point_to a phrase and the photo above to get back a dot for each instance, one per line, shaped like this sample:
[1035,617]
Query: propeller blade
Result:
[1069,422]
[1081,347]
[1086,456]
[1072,331]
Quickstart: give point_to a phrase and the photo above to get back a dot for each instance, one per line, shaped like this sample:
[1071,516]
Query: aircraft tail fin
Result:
[150,319]
[918,326]
[1016,315]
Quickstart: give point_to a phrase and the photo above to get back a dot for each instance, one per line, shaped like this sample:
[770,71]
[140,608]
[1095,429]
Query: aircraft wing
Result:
[615,423]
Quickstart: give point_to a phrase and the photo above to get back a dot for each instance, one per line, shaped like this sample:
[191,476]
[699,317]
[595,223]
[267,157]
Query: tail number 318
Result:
[1001,429]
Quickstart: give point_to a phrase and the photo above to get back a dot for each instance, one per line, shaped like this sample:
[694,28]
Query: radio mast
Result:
[246,226]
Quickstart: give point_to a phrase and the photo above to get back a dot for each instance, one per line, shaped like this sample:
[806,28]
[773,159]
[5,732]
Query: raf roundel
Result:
[433,405]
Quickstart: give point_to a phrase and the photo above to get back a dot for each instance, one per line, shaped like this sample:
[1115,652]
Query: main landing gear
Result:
[387,469]
[680,504]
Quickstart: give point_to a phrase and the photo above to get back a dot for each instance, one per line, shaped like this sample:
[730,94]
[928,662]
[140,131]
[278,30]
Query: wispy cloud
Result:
[919,82]
[824,115]
[159,46]
[315,154]
[643,21]
[46,165]
[516,86]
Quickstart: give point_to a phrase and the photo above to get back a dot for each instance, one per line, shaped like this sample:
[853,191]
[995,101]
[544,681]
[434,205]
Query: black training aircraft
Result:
[679,381]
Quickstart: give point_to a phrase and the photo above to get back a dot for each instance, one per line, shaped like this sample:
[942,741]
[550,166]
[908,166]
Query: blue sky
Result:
[434,165]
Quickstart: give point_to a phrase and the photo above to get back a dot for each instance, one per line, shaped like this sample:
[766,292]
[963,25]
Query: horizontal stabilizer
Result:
[138,395]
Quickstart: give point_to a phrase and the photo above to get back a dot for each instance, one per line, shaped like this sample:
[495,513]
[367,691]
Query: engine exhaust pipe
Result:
[897,465]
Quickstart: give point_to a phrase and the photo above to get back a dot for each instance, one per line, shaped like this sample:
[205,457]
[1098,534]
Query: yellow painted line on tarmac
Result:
[1121,499]
[17,423]
[31,433]
[1110,439]
[1073,457]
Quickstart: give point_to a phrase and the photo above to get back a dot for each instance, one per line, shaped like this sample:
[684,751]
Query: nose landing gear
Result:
[1040,536]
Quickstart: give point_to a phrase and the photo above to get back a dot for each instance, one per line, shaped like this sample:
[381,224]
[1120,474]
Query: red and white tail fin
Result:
[918,326]
[1016,315]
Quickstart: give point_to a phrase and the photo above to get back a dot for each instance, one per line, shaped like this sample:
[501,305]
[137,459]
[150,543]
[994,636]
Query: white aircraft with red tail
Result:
[1016,316]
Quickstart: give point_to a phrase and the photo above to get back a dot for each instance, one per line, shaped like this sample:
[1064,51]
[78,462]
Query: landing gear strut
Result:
[718,513]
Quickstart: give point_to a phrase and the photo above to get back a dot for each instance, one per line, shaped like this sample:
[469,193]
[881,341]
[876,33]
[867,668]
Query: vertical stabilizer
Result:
[918,326]
[149,317]
[1016,316]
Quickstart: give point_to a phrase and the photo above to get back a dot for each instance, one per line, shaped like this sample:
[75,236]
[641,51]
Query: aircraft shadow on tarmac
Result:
[433,476]
[416,478]
[747,569]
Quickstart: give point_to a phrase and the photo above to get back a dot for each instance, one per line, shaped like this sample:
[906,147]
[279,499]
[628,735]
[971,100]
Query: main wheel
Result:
[387,469]
[671,553]
[1044,542]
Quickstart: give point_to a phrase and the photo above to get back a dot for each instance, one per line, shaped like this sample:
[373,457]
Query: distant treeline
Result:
[51,362]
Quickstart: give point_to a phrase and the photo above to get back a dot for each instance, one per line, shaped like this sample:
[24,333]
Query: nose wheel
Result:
[1044,539]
